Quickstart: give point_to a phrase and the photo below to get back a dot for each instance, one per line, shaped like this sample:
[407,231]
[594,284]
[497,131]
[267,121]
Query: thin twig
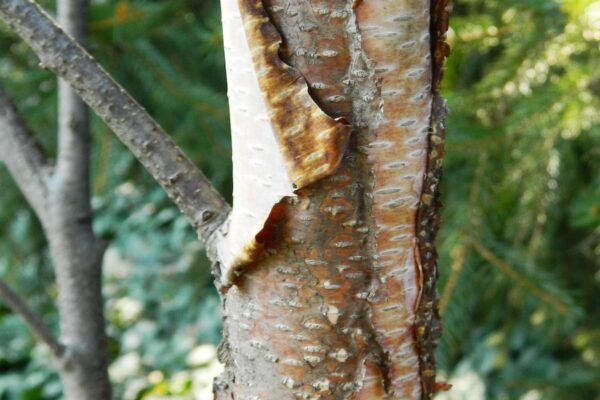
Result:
[457,266]
[473,222]
[171,168]
[18,306]
[517,277]
[23,155]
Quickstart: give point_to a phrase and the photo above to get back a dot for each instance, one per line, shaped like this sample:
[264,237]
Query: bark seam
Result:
[428,323]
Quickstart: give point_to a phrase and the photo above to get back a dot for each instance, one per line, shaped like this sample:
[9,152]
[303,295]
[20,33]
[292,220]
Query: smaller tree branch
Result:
[39,329]
[71,179]
[519,278]
[23,155]
[171,168]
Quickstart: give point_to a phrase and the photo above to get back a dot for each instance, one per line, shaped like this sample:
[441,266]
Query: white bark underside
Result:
[260,178]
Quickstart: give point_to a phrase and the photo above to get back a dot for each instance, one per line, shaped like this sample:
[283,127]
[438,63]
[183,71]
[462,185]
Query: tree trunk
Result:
[329,291]
[76,252]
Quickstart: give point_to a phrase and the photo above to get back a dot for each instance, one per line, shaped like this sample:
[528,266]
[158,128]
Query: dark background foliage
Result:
[520,241]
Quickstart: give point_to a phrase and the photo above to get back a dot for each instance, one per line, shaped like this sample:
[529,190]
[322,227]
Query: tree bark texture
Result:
[336,297]
[76,252]
[23,156]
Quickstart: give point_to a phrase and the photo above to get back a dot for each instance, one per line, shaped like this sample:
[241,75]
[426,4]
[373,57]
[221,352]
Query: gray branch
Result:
[183,181]
[39,329]
[23,156]
[72,174]
[76,251]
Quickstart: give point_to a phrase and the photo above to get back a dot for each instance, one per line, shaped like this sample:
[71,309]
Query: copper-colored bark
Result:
[317,46]
[296,321]
[395,34]
[340,301]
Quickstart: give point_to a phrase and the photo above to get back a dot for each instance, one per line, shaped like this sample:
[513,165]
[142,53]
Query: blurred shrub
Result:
[519,247]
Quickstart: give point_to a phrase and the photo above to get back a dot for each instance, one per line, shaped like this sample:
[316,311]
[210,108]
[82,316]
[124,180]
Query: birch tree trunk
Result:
[328,266]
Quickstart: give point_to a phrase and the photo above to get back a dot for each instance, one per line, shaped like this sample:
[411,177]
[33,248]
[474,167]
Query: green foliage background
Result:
[520,241]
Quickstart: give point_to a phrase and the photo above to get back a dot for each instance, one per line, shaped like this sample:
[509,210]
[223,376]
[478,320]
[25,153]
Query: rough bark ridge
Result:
[428,322]
[328,309]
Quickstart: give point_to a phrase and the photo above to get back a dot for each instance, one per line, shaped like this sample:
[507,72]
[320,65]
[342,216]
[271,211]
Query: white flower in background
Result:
[532,395]
[466,385]
[201,355]
[128,309]
[202,378]
[115,266]
[124,367]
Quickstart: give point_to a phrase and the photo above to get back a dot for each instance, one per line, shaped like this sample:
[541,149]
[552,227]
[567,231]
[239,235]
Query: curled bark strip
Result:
[260,178]
[312,142]
[280,144]
[428,327]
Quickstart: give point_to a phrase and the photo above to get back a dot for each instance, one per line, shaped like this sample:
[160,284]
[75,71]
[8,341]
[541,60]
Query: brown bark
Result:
[341,302]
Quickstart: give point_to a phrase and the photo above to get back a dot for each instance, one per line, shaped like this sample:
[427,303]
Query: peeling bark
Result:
[285,154]
[428,326]
[311,142]
[338,303]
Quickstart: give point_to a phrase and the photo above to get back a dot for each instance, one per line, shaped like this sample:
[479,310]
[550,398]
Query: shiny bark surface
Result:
[337,303]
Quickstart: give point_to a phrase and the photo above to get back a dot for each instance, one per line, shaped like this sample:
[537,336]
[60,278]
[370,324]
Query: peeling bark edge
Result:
[253,250]
[311,142]
[428,328]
